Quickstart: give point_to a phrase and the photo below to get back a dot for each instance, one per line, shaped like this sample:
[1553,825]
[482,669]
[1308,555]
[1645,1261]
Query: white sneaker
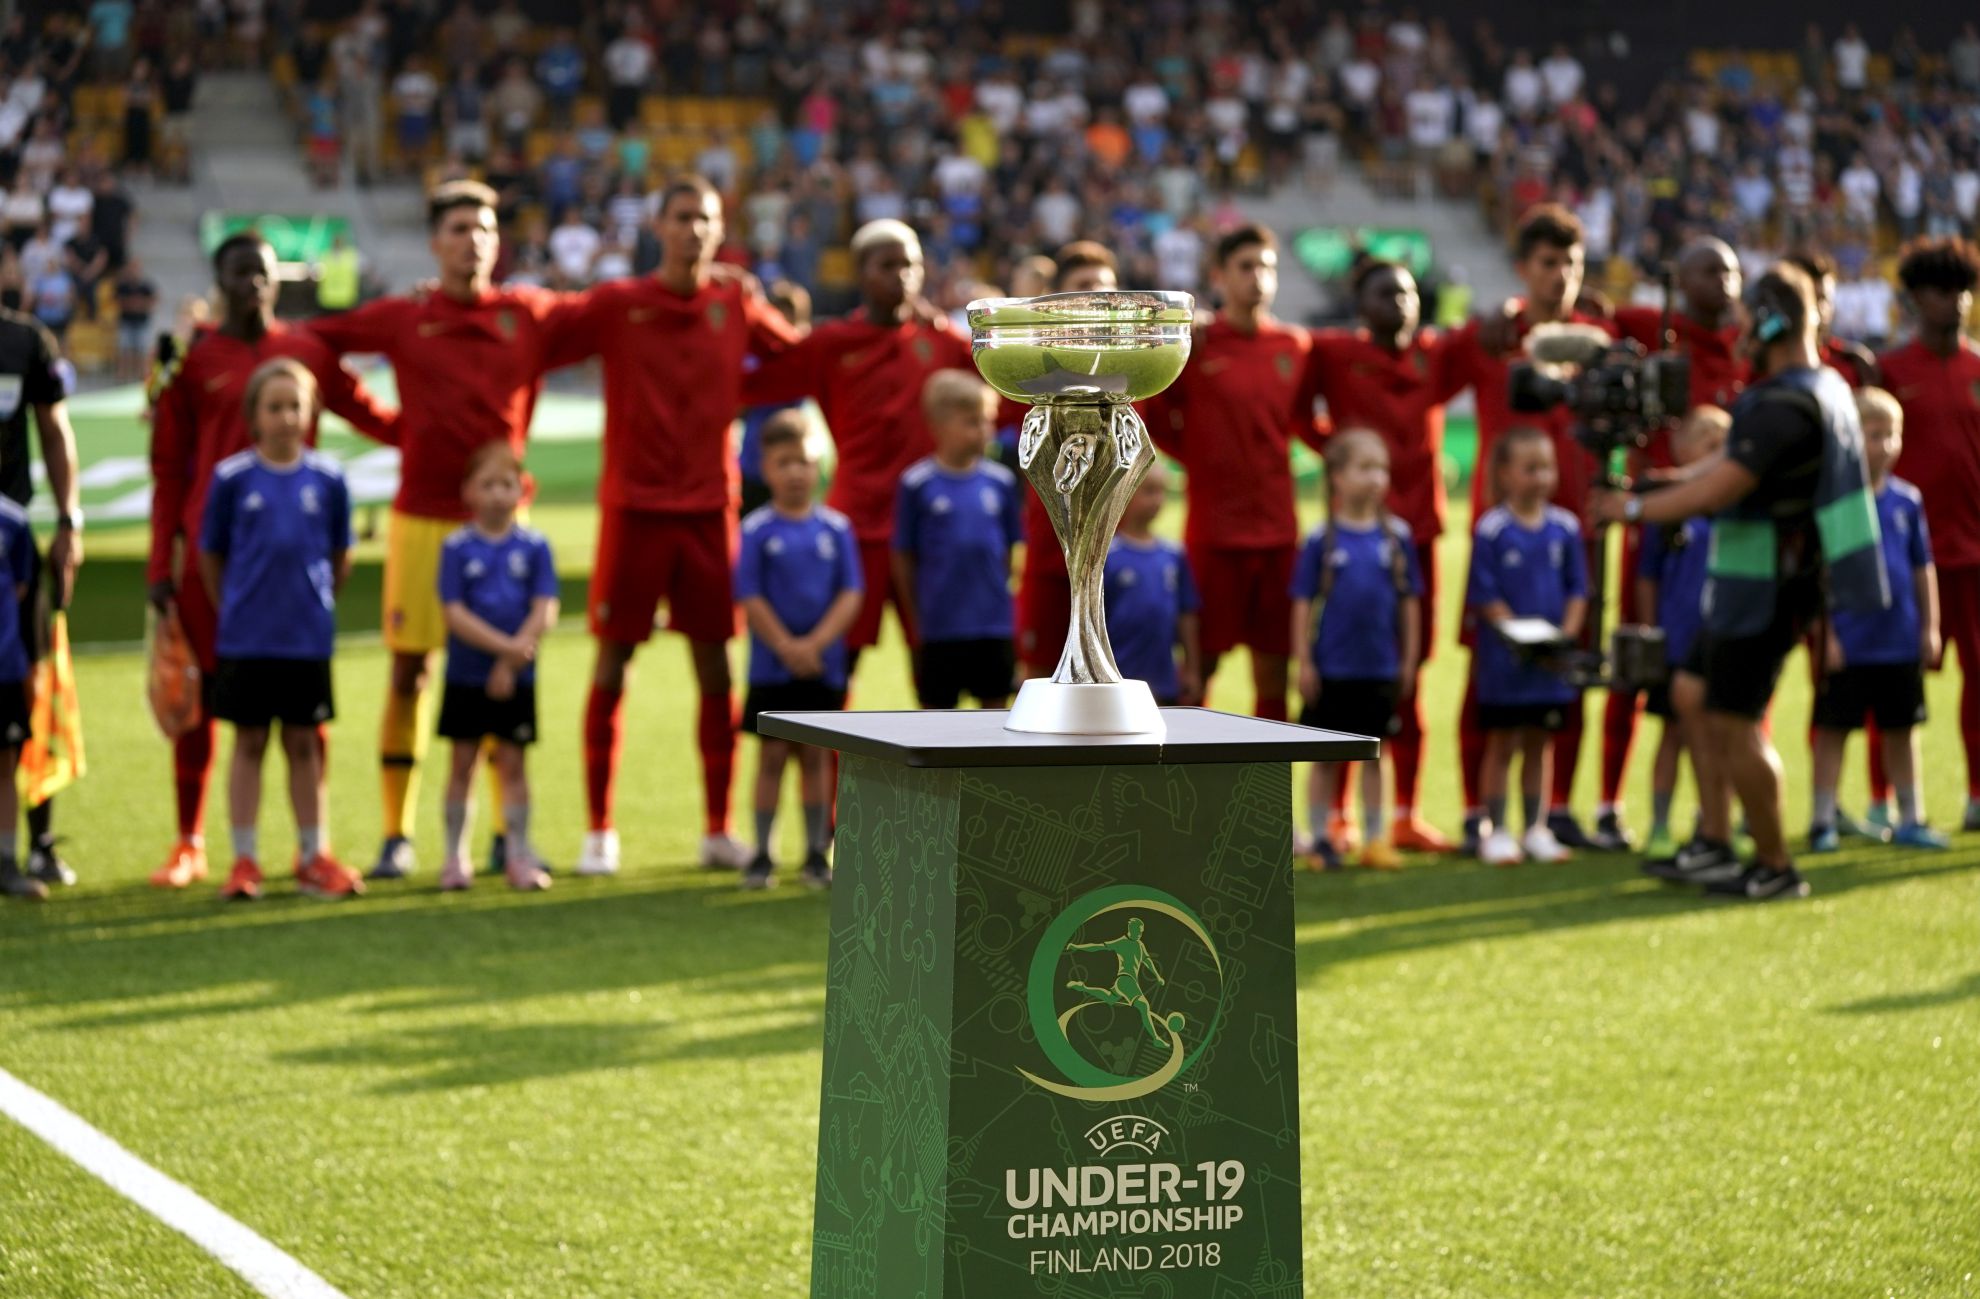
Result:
[1542,846]
[724,852]
[1500,849]
[601,853]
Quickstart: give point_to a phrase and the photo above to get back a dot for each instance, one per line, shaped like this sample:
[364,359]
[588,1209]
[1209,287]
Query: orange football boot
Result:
[243,882]
[322,876]
[186,865]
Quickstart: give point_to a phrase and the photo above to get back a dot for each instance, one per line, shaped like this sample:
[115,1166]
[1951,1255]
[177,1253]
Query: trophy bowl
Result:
[1103,346]
[1080,360]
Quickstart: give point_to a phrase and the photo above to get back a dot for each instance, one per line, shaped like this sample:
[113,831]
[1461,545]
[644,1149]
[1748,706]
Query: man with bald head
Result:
[1705,326]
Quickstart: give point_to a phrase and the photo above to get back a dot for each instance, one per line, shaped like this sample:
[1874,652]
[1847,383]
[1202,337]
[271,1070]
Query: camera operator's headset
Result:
[1768,324]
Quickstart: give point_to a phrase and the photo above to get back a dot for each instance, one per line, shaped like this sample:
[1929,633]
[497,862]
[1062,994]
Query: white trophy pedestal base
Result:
[1046,707]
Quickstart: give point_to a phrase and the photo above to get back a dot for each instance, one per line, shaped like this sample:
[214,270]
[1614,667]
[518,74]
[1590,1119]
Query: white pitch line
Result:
[259,1263]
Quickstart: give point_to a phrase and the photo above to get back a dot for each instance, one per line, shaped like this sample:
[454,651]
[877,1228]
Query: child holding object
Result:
[498,588]
[1526,562]
[1355,633]
[275,547]
[1874,664]
[1670,589]
[1152,602]
[799,580]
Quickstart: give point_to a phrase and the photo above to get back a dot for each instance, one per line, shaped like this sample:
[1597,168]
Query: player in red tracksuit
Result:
[1548,259]
[866,371]
[674,346]
[469,358]
[1936,378]
[1228,419]
[1393,378]
[197,421]
[1044,601]
[1705,328]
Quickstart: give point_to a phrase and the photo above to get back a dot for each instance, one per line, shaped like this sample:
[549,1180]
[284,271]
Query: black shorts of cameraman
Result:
[1741,672]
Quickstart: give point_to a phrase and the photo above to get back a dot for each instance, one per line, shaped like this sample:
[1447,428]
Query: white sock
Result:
[244,842]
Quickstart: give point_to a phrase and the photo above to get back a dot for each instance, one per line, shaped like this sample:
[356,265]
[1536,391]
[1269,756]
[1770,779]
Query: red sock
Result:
[192,763]
[1407,750]
[1880,781]
[1271,707]
[716,732]
[1618,733]
[1471,745]
[1567,755]
[602,712]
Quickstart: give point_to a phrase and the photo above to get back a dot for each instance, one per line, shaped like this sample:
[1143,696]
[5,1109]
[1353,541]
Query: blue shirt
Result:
[960,528]
[1534,572]
[1677,563]
[800,566]
[498,579]
[1891,637]
[279,529]
[560,70]
[17,554]
[1148,588]
[1360,632]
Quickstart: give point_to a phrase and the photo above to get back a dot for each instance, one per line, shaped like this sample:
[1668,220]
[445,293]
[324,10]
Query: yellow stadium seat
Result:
[538,147]
[835,267]
[653,110]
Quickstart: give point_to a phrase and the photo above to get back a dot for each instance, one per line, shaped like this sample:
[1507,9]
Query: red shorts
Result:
[1044,616]
[645,557]
[197,615]
[876,560]
[1247,598]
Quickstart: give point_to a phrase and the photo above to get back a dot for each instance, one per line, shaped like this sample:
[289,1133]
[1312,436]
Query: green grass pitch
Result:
[1546,1081]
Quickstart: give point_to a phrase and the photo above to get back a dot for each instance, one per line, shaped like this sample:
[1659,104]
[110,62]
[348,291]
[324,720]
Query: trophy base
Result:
[1047,707]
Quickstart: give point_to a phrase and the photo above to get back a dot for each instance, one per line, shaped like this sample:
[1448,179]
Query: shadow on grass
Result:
[1966,989]
[1375,915]
[132,957]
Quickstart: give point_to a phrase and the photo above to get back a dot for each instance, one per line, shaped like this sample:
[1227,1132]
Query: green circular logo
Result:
[1106,989]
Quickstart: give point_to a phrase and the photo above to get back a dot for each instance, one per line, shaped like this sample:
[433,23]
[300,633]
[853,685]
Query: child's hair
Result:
[786,428]
[1342,450]
[282,367]
[1875,401]
[952,390]
[492,454]
[1510,441]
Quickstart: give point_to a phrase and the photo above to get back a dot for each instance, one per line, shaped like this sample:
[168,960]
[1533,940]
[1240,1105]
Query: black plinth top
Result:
[977,738]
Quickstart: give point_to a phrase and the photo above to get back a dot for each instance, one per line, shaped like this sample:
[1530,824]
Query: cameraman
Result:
[1795,447]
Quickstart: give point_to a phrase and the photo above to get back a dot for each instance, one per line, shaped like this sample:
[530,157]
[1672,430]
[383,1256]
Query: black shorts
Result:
[1893,693]
[15,711]
[1523,717]
[755,495]
[1354,707]
[1657,700]
[1741,672]
[951,669]
[257,692]
[468,713]
[814,696]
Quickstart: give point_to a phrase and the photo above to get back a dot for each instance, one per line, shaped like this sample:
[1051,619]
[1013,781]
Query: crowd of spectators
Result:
[86,100]
[1828,144]
[1133,129]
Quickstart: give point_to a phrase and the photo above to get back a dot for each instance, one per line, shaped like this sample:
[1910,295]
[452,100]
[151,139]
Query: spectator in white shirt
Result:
[1562,75]
[1966,192]
[1852,60]
[1524,87]
[628,64]
[68,203]
[1146,102]
[1483,121]
[574,248]
[1753,193]
[1055,213]
[1863,309]
[1907,195]
[1179,257]
[1860,187]
[1429,109]
[1003,103]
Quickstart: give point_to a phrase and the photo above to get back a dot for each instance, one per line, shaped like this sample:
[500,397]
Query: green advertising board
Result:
[296,237]
[1060,1049]
[1328,251]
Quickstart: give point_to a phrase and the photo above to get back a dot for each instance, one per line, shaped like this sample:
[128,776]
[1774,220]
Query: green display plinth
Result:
[1060,1052]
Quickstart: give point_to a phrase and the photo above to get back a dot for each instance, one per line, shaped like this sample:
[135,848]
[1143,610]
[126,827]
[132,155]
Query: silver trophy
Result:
[1080,359]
